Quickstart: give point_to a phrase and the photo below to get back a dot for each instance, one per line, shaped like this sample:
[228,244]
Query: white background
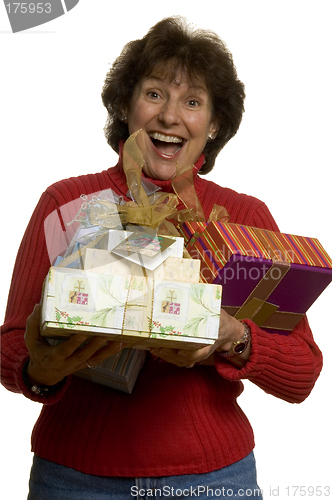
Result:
[52,123]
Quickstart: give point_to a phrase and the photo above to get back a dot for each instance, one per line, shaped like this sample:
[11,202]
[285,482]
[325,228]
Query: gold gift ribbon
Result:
[218,213]
[125,331]
[257,308]
[183,187]
[267,316]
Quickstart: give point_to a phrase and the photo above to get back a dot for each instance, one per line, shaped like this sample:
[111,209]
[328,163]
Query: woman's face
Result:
[177,118]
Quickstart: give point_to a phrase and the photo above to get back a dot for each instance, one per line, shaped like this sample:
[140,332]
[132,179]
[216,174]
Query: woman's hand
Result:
[230,330]
[51,364]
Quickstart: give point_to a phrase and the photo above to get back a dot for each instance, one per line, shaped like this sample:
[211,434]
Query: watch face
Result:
[240,347]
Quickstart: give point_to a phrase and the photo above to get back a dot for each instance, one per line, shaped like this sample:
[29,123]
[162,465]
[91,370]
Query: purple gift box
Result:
[269,277]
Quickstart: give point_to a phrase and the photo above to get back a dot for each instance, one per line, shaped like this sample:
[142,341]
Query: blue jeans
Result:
[50,481]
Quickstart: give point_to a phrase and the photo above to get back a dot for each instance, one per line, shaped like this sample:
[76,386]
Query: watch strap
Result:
[40,389]
[239,346]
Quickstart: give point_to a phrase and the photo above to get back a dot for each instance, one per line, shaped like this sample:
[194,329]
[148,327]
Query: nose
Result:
[170,114]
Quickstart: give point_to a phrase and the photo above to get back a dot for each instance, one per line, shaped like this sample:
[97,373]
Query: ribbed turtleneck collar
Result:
[166,186]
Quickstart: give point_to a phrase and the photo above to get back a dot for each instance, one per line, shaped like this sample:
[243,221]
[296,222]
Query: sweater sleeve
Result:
[286,366]
[31,266]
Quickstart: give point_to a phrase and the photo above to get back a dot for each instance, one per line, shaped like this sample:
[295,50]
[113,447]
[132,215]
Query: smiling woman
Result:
[176,93]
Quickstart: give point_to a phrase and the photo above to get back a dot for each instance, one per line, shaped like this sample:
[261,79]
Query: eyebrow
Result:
[196,88]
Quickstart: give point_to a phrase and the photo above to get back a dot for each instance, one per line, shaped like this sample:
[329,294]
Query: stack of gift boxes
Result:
[136,286]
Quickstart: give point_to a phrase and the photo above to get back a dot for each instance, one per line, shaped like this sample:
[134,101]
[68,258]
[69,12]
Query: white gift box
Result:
[154,312]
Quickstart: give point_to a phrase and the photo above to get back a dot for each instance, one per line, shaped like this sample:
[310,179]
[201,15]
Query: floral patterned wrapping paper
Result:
[156,312]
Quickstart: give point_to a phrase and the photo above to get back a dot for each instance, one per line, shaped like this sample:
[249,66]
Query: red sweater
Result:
[177,420]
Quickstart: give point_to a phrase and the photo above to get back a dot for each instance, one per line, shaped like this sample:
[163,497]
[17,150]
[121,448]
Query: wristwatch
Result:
[239,346]
[39,390]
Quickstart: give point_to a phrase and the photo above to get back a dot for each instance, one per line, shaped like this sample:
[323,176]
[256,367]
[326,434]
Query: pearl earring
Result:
[211,137]
[124,118]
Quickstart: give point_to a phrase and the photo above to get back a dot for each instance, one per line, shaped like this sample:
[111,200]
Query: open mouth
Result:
[167,145]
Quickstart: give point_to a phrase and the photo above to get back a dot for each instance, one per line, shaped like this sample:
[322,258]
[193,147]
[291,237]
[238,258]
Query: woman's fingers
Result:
[73,345]
[187,358]
[77,351]
[50,364]
[105,352]
[32,327]
[197,354]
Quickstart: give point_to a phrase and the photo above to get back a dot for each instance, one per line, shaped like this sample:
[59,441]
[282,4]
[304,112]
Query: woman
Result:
[181,431]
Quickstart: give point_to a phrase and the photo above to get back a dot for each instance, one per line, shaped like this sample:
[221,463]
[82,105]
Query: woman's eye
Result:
[153,94]
[193,103]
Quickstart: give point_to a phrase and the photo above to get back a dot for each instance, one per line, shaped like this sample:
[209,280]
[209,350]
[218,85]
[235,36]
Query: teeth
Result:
[165,138]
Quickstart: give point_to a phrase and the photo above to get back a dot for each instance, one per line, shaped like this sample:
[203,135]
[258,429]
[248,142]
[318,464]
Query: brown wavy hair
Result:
[200,54]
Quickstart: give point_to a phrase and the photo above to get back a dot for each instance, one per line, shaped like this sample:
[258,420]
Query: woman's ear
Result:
[214,129]
[123,116]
